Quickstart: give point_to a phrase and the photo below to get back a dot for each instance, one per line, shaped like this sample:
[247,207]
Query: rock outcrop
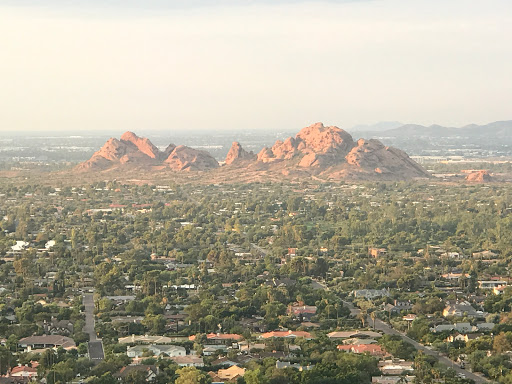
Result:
[142,144]
[168,150]
[135,151]
[482,176]
[333,152]
[372,154]
[317,145]
[329,153]
[119,152]
[237,154]
[184,158]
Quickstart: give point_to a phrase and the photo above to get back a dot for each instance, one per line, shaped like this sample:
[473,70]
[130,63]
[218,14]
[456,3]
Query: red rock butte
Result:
[326,152]
[480,176]
[133,150]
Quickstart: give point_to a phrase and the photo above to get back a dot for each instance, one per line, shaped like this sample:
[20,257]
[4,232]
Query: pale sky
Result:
[234,65]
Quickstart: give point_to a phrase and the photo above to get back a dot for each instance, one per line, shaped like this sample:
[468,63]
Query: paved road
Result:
[95,349]
[95,345]
[385,328]
[89,316]
[318,285]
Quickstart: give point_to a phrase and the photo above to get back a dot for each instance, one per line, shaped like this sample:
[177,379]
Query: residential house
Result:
[372,349]
[310,325]
[286,334]
[157,350]
[399,306]
[210,350]
[370,293]
[118,300]
[46,341]
[459,327]
[286,364]
[188,361]
[491,284]
[57,327]
[392,379]
[146,339]
[225,361]
[357,341]
[228,375]
[465,337]
[151,372]
[353,334]
[484,255]
[127,319]
[462,309]
[23,371]
[377,252]
[15,380]
[395,366]
[305,312]
[231,339]
[455,276]
[463,327]
[284,282]
[409,317]
[499,290]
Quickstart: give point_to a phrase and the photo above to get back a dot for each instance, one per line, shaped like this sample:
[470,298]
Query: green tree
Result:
[191,375]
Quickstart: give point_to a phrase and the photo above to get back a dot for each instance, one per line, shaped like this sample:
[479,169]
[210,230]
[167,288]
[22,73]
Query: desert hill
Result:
[328,153]
[481,176]
[134,151]
[237,154]
[332,153]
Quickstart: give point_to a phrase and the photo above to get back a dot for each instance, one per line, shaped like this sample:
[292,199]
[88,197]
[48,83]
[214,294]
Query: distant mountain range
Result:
[378,127]
[498,129]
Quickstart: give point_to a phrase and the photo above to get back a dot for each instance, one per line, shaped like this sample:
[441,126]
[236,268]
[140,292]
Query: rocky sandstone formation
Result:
[316,151]
[185,158]
[117,152]
[136,151]
[332,151]
[142,144]
[482,176]
[318,144]
[237,154]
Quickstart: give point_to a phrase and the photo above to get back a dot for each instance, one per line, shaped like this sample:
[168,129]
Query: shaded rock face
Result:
[139,151]
[237,154]
[168,150]
[185,158]
[482,176]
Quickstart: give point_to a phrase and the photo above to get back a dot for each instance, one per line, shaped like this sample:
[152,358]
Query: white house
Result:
[157,350]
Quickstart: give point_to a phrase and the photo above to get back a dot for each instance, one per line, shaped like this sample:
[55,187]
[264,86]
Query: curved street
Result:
[385,328]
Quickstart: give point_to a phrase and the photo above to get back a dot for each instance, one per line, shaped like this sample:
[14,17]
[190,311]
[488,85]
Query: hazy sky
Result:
[191,64]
